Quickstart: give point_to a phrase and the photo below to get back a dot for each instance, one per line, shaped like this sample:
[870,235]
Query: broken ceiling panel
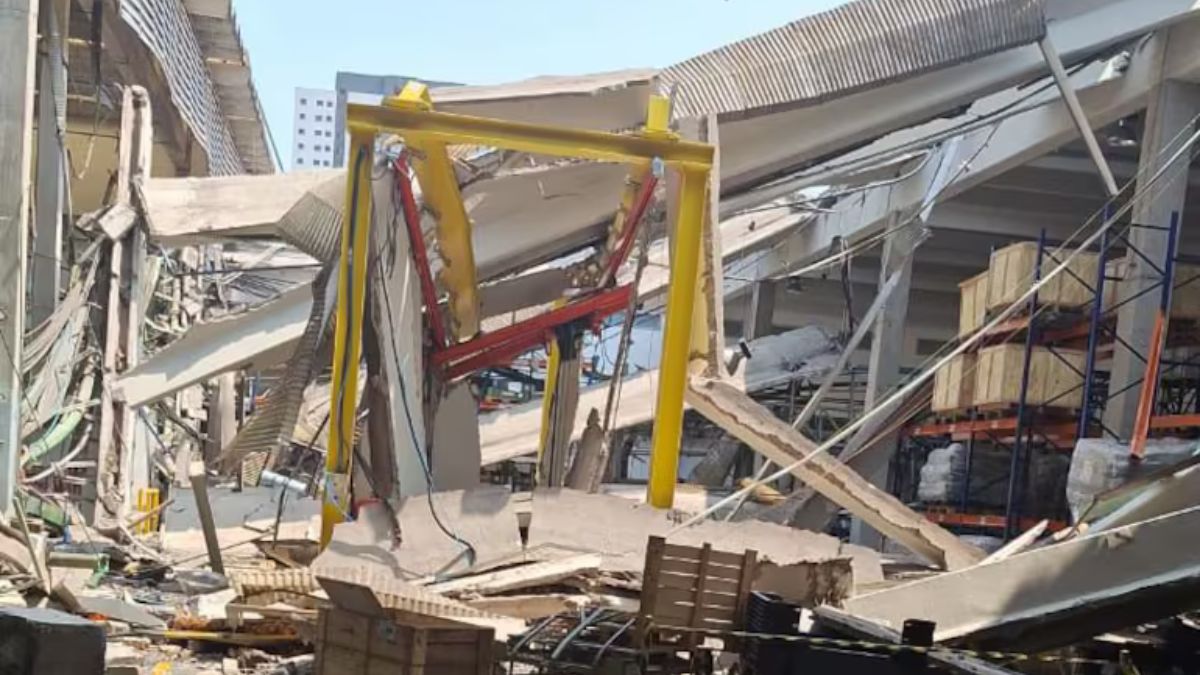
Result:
[272,425]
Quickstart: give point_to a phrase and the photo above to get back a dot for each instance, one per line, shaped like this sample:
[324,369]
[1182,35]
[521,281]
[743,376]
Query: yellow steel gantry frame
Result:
[427,132]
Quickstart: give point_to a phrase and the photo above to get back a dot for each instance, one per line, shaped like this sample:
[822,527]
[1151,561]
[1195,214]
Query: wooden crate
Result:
[1011,272]
[349,643]
[954,384]
[1051,381]
[972,304]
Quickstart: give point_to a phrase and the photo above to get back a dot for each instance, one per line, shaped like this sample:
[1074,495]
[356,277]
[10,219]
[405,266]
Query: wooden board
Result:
[1054,377]
[1012,270]
[954,384]
[972,305]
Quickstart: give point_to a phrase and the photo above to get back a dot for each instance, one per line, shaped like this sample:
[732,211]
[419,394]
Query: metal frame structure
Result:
[1038,425]
[426,134]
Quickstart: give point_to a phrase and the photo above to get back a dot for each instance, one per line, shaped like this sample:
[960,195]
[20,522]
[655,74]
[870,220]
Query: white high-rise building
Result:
[313,124]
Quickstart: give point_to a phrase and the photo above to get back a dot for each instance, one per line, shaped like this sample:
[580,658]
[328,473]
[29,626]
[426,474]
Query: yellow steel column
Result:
[676,345]
[347,340]
[441,195]
[551,383]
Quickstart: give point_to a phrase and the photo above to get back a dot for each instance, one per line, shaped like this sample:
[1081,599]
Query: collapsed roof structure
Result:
[881,150]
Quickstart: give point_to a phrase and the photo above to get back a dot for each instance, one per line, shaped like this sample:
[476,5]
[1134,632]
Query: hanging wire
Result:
[925,374]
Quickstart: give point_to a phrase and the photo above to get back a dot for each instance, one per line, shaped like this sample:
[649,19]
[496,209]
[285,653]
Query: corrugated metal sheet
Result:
[858,45]
[221,44]
[271,427]
[164,27]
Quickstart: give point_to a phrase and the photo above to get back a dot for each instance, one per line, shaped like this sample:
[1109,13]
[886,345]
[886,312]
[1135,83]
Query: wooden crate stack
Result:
[992,376]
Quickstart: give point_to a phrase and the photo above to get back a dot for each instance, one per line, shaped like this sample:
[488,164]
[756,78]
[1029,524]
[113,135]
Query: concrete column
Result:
[18,34]
[1167,124]
[762,309]
[222,415]
[887,353]
[46,263]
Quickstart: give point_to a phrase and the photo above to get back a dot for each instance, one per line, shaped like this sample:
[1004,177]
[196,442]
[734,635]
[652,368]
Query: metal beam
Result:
[687,244]
[1081,122]
[18,33]
[531,138]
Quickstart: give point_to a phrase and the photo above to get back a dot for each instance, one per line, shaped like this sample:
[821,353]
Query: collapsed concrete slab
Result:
[567,520]
[1057,594]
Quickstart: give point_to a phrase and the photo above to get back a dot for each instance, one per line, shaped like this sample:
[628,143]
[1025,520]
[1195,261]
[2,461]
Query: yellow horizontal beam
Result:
[533,138]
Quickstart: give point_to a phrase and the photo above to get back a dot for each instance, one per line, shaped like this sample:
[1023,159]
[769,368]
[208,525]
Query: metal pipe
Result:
[673,369]
[966,491]
[1089,368]
[1015,465]
[1080,118]
[272,479]
[1145,406]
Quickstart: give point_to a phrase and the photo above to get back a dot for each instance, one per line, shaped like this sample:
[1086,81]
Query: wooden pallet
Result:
[689,587]
[993,411]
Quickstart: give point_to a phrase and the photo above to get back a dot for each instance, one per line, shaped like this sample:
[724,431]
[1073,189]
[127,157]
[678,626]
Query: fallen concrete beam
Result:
[185,211]
[773,438]
[522,576]
[259,337]
[1056,595]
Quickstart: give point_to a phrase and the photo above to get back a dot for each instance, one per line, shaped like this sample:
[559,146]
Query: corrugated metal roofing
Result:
[164,27]
[858,45]
[221,43]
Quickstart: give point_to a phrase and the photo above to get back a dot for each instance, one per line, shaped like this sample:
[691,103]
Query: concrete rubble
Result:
[174,491]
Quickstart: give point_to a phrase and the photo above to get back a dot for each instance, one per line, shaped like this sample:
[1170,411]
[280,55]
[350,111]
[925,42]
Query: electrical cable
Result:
[408,417]
[1002,112]
[927,373]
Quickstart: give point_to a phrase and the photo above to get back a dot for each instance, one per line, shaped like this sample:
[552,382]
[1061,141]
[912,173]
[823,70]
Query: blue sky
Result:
[303,43]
